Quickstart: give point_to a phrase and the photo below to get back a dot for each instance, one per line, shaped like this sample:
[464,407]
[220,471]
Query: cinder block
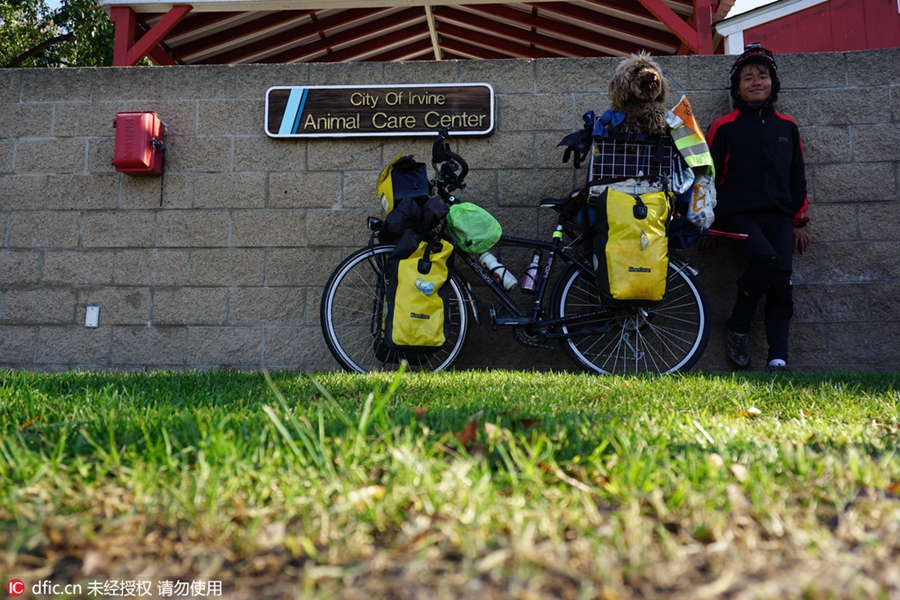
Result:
[534,112]
[824,303]
[297,347]
[23,192]
[190,306]
[200,82]
[873,67]
[336,228]
[229,190]
[227,267]
[501,151]
[265,154]
[853,182]
[19,267]
[812,70]
[151,267]
[864,345]
[358,191]
[198,153]
[57,85]
[119,229]
[527,187]
[268,228]
[38,306]
[266,306]
[308,190]
[575,75]
[72,347]
[421,71]
[885,308]
[80,119]
[17,346]
[225,347]
[229,117]
[834,222]
[881,223]
[252,81]
[342,153]
[826,144]
[876,143]
[121,84]
[510,76]
[192,228]
[118,305]
[26,120]
[851,106]
[162,347]
[300,266]
[859,262]
[43,229]
[143,192]
[6,156]
[77,268]
[10,86]
[83,192]
[46,155]
[347,73]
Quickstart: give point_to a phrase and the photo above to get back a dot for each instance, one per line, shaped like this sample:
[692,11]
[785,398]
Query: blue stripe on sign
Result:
[300,110]
[290,111]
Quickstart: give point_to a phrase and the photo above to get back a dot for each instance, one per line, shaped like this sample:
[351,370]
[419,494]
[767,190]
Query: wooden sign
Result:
[379,110]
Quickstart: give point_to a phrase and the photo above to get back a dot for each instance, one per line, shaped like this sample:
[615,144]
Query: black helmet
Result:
[754,53]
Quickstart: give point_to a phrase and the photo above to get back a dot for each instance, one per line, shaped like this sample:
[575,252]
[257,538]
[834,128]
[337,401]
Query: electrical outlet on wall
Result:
[92,316]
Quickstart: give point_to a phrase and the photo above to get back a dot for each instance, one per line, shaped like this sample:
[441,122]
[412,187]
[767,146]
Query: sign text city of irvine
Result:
[379,110]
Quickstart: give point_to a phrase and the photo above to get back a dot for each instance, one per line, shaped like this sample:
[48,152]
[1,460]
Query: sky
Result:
[742,6]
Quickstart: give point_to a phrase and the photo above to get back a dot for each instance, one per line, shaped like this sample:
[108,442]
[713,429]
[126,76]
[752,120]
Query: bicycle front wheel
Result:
[666,337]
[352,312]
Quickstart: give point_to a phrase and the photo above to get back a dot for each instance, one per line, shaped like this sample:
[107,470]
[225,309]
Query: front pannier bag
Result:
[631,257]
[417,295]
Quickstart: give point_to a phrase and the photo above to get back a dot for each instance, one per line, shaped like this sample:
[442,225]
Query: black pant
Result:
[769,253]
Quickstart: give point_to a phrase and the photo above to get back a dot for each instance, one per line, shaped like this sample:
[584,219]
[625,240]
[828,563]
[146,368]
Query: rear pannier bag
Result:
[403,188]
[473,228]
[417,295]
[631,256]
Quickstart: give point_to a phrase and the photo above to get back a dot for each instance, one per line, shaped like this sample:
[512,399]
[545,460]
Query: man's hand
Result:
[801,239]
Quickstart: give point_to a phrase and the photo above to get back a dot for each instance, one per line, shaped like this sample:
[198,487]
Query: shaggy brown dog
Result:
[638,90]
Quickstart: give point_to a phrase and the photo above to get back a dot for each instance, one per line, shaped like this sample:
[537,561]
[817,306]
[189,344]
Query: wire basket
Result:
[634,156]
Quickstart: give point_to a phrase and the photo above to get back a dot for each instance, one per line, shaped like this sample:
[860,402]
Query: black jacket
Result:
[759,164]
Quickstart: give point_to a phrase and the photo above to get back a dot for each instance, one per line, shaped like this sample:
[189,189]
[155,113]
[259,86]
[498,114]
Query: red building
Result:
[815,26]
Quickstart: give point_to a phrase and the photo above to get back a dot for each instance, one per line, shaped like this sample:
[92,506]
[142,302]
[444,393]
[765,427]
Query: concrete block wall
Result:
[221,262]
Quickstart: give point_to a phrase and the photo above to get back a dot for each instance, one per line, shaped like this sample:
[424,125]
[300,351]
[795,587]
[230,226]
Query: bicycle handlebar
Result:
[441,153]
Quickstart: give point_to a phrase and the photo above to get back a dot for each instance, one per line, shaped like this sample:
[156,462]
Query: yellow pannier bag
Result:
[417,296]
[631,248]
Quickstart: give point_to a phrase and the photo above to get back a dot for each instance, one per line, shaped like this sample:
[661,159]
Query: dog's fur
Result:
[639,91]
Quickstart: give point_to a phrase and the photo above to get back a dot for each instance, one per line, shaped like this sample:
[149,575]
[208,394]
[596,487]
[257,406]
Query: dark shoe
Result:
[776,365]
[738,349]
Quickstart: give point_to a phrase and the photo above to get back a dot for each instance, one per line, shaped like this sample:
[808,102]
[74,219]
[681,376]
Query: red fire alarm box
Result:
[139,143]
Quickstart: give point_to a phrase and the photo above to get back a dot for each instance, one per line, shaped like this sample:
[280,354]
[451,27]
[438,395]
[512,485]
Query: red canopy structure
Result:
[296,31]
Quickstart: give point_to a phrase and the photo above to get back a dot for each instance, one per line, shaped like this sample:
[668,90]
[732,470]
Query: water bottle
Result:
[530,278]
[500,273]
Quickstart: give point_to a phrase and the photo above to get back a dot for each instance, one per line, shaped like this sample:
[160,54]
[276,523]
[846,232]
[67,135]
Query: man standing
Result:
[761,191]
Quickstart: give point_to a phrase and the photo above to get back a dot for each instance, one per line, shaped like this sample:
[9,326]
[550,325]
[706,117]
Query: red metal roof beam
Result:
[128,51]
[700,39]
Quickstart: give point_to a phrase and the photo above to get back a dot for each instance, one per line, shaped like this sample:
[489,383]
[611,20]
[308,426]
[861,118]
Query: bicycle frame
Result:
[519,316]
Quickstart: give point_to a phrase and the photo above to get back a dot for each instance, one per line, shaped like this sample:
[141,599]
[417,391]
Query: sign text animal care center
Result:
[379,110]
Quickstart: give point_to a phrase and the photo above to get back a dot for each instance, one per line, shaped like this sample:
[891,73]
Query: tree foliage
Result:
[75,33]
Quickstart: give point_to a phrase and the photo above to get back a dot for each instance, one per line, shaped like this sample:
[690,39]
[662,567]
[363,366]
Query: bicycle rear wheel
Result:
[666,337]
[352,312]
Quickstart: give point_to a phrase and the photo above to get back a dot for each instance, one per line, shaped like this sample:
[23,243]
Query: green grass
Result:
[461,485]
